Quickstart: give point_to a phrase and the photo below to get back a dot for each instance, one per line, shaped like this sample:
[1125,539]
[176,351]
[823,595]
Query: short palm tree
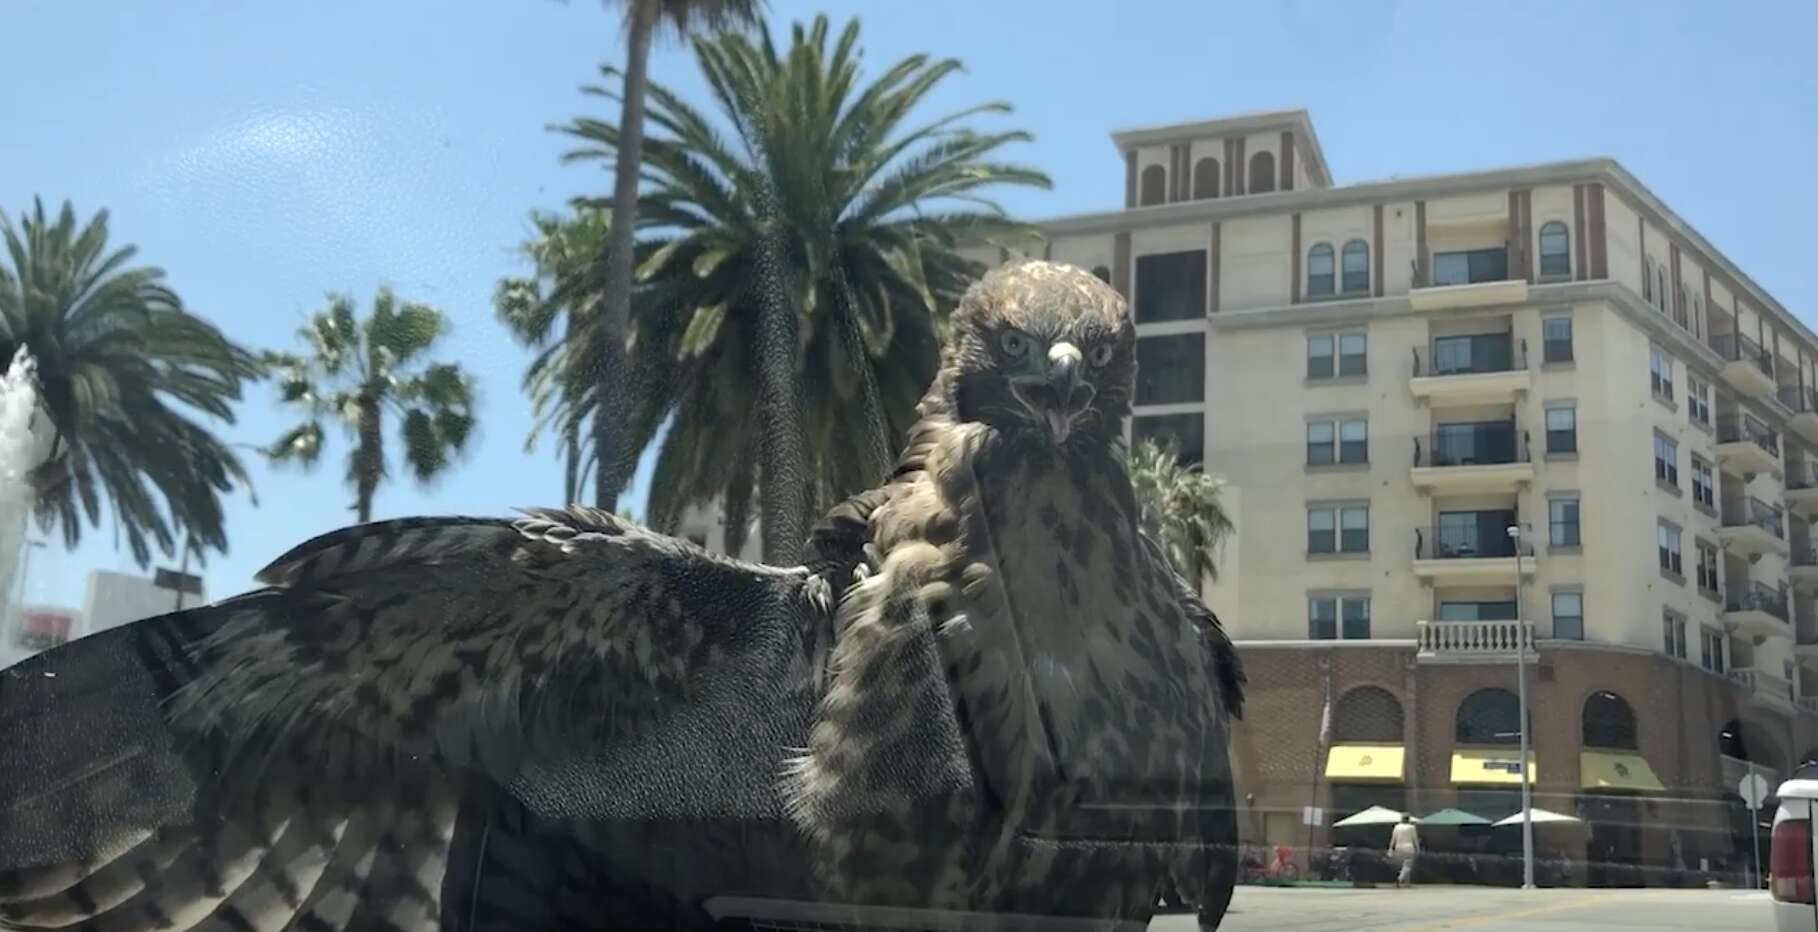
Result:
[643,20]
[124,371]
[360,372]
[810,257]
[1180,509]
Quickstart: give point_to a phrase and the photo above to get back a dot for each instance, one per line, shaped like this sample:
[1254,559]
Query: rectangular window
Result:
[1341,354]
[1568,615]
[1660,372]
[1471,266]
[1562,522]
[1344,441]
[1698,400]
[1556,339]
[1354,529]
[1667,543]
[1338,529]
[1171,369]
[1673,634]
[1171,286]
[1477,611]
[1322,530]
[1707,568]
[1336,617]
[1710,650]
[1320,359]
[1186,431]
[1351,355]
[1562,429]
[1666,460]
[1704,483]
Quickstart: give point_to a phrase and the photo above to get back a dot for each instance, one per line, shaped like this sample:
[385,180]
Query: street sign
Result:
[186,583]
[1753,789]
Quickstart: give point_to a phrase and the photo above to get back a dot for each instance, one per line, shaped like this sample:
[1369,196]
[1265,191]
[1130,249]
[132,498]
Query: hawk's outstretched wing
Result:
[294,758]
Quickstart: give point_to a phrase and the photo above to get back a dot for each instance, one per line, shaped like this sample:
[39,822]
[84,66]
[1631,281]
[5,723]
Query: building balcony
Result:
[1473,641]
[1472,459]
[1752,527]
[1470,554]
[1747,367]
[1465,279]
[1475,370]
[1802,567]
[1746,445]
[1803,402]
[1802,487]
[1766,690]
[1756,609]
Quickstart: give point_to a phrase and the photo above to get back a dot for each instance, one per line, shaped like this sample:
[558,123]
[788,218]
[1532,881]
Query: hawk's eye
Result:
[1100,355]
[1013,343]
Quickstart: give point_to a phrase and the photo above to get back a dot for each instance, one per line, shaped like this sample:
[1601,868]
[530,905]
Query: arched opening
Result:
[1488,716]
[1608,721]
[1154,186]
[1319,271]
[1368,714]
[1356,267]
[1205,179]
[1262,173]
[1555,250]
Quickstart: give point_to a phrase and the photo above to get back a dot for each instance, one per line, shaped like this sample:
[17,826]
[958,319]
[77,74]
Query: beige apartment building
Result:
[1392,374]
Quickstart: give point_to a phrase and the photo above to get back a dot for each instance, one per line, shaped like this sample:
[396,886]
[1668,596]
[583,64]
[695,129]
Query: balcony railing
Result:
[1805,554]
[1755,597]
[1746,428]
[1487,539]
[1802,476]
[1469,267]
[1475,637]
[1764,684]
[1474,355]
[1798,398]
[1471,445]
[1754,511]
[1736,347]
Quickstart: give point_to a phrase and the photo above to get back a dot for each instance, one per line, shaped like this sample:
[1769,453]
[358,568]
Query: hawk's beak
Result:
[1060,397]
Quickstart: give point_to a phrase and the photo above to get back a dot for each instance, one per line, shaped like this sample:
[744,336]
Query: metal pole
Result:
[1754,811]
[189,543]
[1521,693]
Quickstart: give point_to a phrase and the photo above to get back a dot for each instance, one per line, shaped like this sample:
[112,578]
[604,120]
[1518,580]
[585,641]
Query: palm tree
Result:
[358,372]
[812,256]
[643,18]
[122,368]
[1180,509]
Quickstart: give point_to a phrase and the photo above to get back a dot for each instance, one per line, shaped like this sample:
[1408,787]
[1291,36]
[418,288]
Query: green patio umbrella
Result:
[1453,817]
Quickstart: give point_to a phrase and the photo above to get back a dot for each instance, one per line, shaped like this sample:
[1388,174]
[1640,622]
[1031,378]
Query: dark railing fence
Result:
[1471,355]
[1747,428]
[1754,511]
[1737,347]
[1798,399]
[1471,445]
[1485,537]
[1756,597]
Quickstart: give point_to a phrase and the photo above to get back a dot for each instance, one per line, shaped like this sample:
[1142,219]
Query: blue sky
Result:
[264,154]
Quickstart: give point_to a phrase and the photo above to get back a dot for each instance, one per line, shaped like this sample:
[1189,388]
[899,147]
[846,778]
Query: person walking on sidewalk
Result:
[1404,844]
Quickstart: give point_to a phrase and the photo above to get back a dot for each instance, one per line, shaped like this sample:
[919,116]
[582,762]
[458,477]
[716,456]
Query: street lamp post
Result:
[1521,693]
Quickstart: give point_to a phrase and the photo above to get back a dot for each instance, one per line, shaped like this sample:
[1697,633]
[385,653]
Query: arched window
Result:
[1647,280]
[1368,714]
[1262,173]
[1205,179]
[1155,186]
[1102,273]
[1488,716]
[1555,251]
[1357,267]
[1697,317]
[1319,271]
[1660,289]
[1608,722]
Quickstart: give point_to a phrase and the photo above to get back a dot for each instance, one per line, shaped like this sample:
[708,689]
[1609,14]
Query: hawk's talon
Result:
[819,592]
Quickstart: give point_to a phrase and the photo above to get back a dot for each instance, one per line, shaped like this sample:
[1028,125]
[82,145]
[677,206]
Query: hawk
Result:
[569,721]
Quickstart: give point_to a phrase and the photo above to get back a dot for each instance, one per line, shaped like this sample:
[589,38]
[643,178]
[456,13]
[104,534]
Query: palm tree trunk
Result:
[783,457]
[609,427]
[875,454]
[369,458]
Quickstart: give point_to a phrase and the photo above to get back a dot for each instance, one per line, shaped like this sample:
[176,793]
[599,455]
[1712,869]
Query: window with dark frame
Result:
[1562,522]
[1562,429]
[1352,356]
[1336,354]
[1555,251]
[1171,286]
[1667,543]
[1673,633]
[1666,460]
[1338,617]
[1697,400]
[1321,449]
[1704,483]
[1556,339]
[1338,529]
[1707,567]
[1171,369]
[1322,619]
[1356,267]
[1338,441]
[1354,617]
[1568,615]
[1710,650]
[1660,372]
[1320,278]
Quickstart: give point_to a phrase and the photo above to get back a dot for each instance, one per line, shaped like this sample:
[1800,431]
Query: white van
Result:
[1790,865]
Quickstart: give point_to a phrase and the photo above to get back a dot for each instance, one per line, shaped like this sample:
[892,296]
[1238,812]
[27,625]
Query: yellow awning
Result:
[1365,762]
[1614,770]
[1492,766]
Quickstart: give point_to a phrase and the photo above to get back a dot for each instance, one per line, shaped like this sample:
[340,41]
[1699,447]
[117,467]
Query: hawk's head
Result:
[1044,351]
